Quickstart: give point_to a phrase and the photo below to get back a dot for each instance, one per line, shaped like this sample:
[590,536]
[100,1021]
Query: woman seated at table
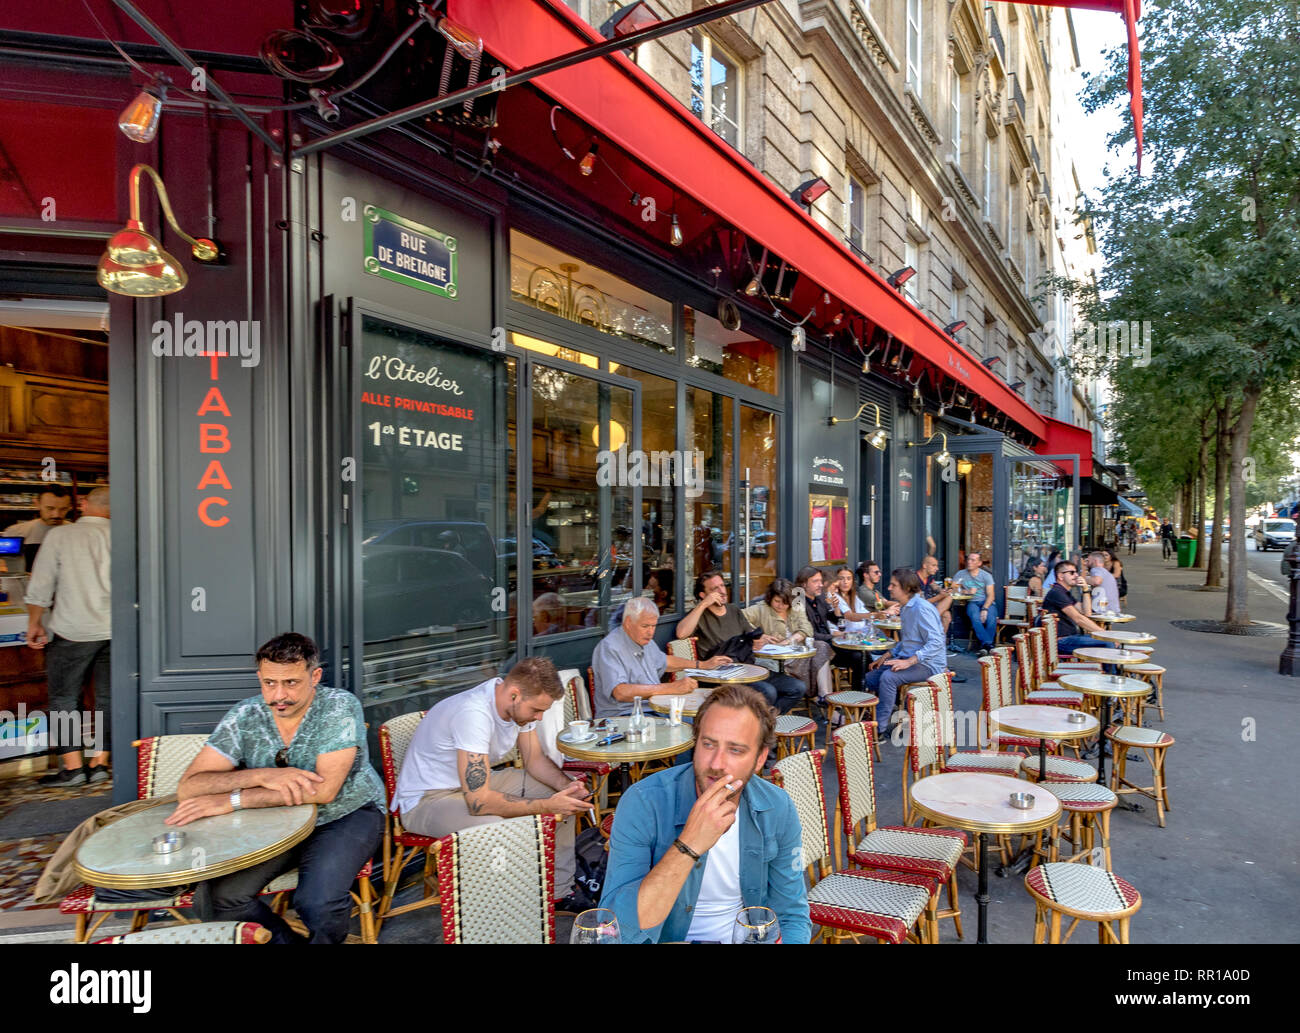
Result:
[845,604]
[788,624]
[1116,568]
[1032,576]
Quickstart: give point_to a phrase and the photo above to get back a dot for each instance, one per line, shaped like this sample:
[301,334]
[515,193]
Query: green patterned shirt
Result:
[248,735]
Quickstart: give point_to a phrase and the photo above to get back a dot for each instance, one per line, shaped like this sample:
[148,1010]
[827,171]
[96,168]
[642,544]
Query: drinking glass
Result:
[676,707]
[595,926]
[756,925]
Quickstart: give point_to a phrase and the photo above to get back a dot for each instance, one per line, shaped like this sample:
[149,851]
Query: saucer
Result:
[566,737]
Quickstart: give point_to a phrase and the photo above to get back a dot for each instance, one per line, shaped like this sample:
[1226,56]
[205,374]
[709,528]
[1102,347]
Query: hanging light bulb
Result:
[588,164]
[866,365]
[675,234]
[916,390]
[753,287]
[839,318]
[798,339]
[139,119]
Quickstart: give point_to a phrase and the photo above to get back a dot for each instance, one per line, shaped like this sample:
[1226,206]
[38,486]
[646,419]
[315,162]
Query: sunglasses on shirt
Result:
[282,758]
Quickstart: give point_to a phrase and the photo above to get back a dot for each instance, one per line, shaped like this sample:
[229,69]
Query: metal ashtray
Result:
[1022,801]
[168,842]
[1076,718]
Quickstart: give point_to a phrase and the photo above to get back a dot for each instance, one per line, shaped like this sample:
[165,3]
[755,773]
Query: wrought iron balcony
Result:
[1017,95]
[995,33]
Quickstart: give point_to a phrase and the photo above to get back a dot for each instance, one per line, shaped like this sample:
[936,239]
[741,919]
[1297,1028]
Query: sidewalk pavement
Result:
[1226,868]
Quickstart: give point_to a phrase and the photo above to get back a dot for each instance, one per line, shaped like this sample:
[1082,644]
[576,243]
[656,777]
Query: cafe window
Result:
[551,280]
[437,534]
[658,488]
[709,444]
[734,354]
[1041,511]
[759,529]
[586,557]
[715,88]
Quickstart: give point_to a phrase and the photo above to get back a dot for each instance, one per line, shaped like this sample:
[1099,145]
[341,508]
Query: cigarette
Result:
[732,786]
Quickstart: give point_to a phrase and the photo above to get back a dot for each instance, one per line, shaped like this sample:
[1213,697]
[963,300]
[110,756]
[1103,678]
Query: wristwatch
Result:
[234,800]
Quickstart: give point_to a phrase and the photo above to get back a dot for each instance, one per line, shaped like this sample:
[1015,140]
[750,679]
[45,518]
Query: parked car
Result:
[409,590]
[467,538]
[1274,533]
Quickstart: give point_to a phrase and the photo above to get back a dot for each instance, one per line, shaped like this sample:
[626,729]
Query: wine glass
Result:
[756,925]
[599,925]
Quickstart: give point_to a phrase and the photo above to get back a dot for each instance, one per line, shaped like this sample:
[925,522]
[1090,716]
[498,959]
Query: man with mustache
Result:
[298,742]
[693,845]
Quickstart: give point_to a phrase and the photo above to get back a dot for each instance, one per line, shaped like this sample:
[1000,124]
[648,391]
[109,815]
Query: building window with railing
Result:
[914,45]
[715,88]
[855,217]
[954,108]
[988,178]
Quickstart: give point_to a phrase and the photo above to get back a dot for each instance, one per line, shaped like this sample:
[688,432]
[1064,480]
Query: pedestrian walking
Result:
[1167,548]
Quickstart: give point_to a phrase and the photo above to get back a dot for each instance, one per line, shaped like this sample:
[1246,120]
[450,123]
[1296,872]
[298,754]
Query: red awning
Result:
[1066,439]
[621,102]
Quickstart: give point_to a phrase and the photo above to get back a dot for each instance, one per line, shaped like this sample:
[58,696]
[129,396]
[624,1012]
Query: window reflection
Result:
[553,281]
[734,354]
[585,545]
[708,430]
[758,461]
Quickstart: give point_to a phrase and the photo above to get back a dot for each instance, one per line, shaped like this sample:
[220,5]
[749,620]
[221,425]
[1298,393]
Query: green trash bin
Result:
[1186,552]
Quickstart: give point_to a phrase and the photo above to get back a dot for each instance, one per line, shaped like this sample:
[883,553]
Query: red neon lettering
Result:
[211,435]
[214,474]
[203,512]
[213,402]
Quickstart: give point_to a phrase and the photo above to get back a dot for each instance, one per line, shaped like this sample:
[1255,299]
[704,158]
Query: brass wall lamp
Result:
[135,263]
[878,439]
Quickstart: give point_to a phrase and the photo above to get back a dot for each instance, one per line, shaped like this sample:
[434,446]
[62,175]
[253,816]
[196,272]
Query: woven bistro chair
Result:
[857,706]
[577,707]
[684,649]
[1083,893]
[1032,658]
[497,882]
[401,846]
[1155,674]
[793,733]
[1055,663]
[197,932]
[997,694]
[896,848]
[1017,619]
[888,906]
[161,762]
[1155,744]
[1085,809]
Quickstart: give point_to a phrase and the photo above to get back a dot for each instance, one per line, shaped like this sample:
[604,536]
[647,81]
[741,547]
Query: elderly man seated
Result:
[298,742]
[629,663]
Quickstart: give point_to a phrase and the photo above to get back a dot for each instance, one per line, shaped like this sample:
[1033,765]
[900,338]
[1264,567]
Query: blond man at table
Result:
[447,781]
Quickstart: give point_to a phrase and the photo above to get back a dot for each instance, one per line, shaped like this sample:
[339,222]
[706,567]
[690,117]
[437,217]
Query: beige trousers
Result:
[443,811]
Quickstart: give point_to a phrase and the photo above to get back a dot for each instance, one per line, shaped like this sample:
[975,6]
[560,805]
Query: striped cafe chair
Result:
[1017,618]
[197,932]
[1085,811]
[1033,688]
[794,731]
[896,848]
[1084,893]
[1154,744]
[888,906]
[684,649]
[161,761]
[401,846]
[577,707]
[497,882]
[995,675]
[1056,664]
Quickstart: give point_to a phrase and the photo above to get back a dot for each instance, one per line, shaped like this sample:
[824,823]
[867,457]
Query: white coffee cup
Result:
[579,729]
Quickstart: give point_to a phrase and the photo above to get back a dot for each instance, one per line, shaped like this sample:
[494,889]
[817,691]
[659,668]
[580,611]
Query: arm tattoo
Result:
[475,807]
[476,772]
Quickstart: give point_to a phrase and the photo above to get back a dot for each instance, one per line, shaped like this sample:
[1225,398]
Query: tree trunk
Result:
[1202,472]
[1238,609]
[1214,572]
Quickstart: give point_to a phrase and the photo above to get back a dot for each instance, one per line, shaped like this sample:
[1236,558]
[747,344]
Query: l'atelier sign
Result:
[405,252]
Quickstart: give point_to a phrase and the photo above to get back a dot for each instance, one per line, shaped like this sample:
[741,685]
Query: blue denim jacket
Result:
[653,813]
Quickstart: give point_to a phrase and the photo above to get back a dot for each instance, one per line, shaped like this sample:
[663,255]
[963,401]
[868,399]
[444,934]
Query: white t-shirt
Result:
[842,607]
[715,911]
[466,721]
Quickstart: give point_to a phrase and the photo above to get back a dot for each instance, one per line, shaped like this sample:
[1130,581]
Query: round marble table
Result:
[1042,723]
[1113,618]
[120,856]
[690,707]
[669,741]
[859,650]
[981,804]
[892,627]
[1108,687]
[1120,657]
[1125,638]
[751,673]
[781,659]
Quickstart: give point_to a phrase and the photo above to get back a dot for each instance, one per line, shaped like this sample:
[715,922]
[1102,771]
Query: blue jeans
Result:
[782,691]
[885,681]
[985,631]
[327,861]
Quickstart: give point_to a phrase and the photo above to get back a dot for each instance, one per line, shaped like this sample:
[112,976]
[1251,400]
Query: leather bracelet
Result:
[686,850]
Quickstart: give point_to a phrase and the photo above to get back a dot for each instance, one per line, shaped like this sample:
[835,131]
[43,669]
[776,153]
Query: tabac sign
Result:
[405,252]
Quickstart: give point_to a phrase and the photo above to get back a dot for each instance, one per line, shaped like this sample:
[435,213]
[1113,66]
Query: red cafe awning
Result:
[622,103]
[1063,439]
